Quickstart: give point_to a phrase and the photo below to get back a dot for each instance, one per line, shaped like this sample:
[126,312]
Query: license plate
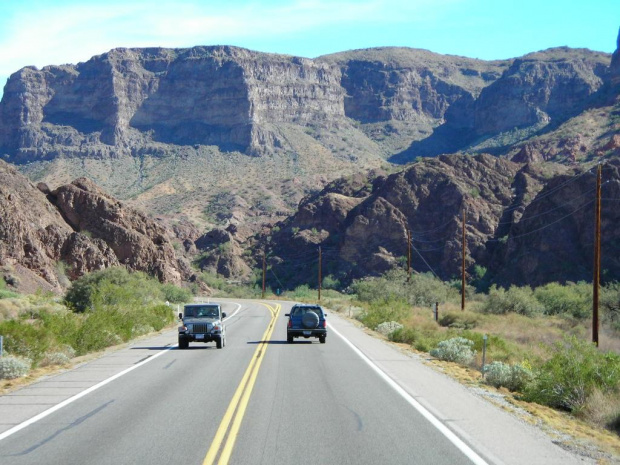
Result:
[307,333]
[200,336]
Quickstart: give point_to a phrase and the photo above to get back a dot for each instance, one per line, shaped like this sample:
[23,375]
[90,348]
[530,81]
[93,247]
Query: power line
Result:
[548,225]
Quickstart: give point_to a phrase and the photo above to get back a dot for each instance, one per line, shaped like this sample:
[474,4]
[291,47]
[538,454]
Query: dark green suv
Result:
[306,321]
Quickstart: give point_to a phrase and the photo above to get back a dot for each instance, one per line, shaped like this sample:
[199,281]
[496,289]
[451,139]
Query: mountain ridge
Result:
[232,141]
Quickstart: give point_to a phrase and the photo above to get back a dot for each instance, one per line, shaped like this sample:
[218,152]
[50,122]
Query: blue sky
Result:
[44,32]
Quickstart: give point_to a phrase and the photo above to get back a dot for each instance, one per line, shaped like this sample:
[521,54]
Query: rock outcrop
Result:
[539,88]
[50,237]
[525,223]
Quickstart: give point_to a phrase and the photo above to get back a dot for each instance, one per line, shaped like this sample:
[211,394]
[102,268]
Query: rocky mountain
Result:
[153,126]
[525,223]
[223,144]
[49,237]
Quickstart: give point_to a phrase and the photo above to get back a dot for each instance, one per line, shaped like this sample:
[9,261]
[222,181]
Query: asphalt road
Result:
[259,400]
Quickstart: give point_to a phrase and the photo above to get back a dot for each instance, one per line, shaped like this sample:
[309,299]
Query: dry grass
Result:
[603,410]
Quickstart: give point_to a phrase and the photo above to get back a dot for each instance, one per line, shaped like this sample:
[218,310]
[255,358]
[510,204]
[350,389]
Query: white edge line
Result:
[79,395]
[65,402]
[453,438]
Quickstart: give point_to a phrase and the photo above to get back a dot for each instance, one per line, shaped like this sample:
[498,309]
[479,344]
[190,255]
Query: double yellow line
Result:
[238,404]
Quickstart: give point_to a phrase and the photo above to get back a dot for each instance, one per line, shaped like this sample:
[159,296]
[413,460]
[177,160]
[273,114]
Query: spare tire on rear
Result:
[310,320]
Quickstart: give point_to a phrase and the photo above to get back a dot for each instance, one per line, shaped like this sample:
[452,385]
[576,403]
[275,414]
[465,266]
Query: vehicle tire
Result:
[183,343]
[218,343]
[289,339]
[322,339]
[310,320]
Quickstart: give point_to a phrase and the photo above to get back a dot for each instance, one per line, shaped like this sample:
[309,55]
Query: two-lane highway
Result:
[260,400]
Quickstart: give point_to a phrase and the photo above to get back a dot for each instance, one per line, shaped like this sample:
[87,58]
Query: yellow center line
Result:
[246,384]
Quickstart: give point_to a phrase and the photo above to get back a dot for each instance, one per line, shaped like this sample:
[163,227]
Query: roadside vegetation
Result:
[538,340]
[99,310]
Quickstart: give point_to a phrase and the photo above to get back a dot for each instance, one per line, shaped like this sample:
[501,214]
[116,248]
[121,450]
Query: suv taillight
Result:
[290,323]
[324,323]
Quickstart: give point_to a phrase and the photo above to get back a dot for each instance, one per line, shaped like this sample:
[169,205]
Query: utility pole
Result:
[320,278]
[264,272]
[597,258]
[464,239]
[408,254]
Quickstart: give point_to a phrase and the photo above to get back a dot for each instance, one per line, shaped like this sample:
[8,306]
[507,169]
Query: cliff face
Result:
[50,237]
[238,100]
[205,95]
[539,88]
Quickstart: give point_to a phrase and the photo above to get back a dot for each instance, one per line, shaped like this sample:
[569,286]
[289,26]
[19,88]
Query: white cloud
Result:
[74,33]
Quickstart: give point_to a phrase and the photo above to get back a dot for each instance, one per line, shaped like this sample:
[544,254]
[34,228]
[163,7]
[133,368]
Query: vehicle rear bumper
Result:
[306,332]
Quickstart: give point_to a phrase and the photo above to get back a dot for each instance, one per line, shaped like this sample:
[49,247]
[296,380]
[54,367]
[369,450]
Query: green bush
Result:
[25,339]
[516,299]
[13,367]
[422,290]
[457,349]
[175,294]
[574,370]
[572,299]
[378,313]
[6,294]
[419,339]
[330,282]
[110,287]
[303,292]
[610,305]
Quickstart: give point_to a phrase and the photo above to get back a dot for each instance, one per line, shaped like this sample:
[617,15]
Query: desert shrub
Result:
[55,358]
[330,282]
[497,374]
[419,339]
[610,304]
[175,294]
[25,339]
[516,299]
[422,290]
[457,349]
[571,374]
[513,377]
[406,335]
[13,367]
[112,286]
[380,312]
[98,331]
[213,280]
[303,292]
[572,299]
[5,293]
[388,327]
[602,409]
[460,320]
[64,326]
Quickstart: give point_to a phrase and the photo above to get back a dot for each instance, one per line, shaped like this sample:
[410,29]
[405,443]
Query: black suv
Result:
[306,321]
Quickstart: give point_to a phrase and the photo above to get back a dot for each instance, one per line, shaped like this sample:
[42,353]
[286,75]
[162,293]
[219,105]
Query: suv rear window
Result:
[302,310]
